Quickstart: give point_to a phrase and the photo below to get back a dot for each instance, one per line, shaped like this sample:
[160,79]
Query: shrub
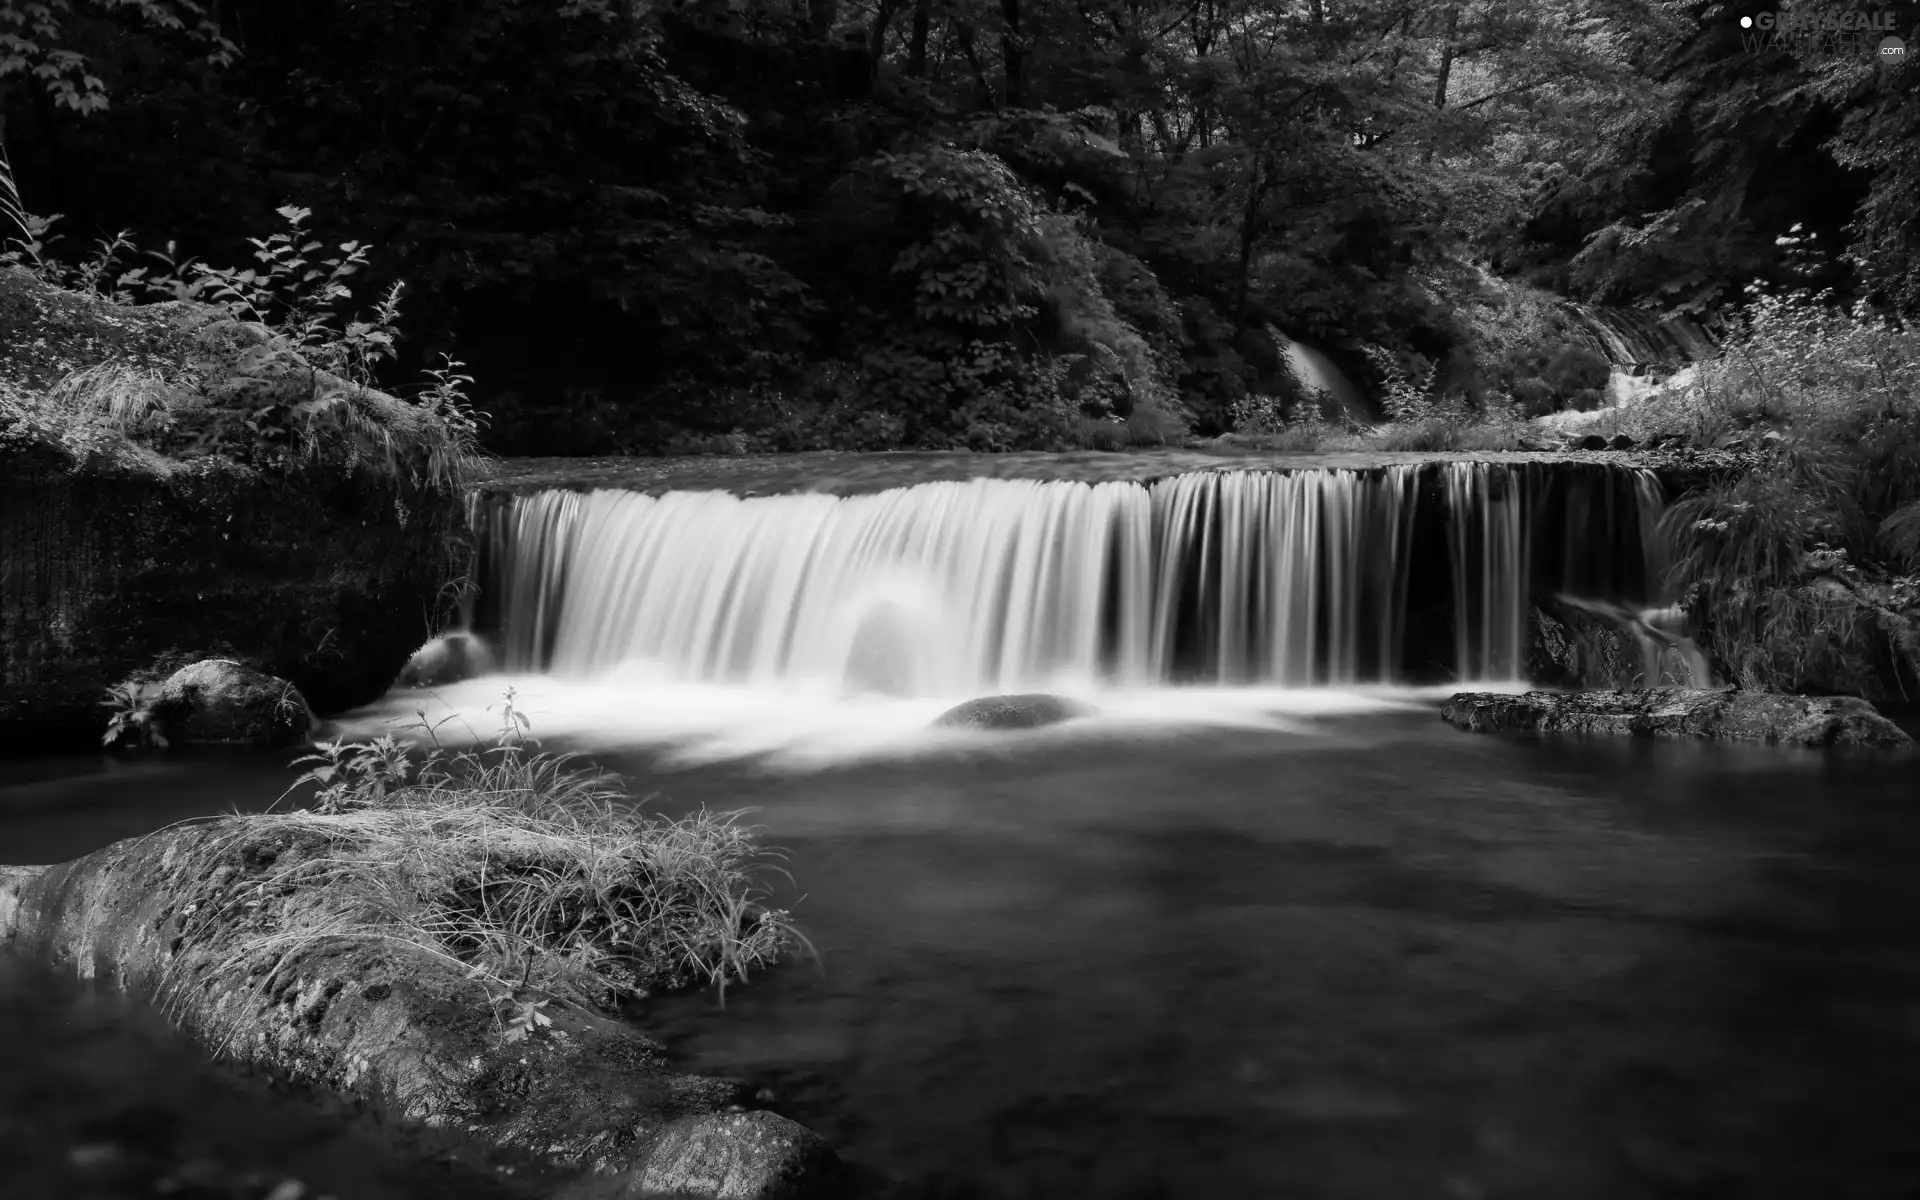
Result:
[1576,369]
[258,364]
[1829,402]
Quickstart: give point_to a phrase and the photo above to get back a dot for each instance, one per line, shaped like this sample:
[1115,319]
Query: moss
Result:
[310,580]
[124,541]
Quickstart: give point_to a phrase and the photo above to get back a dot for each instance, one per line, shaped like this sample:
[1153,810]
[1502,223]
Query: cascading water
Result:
[1272,578]
[955,587]
[1488,530]
[1635,339]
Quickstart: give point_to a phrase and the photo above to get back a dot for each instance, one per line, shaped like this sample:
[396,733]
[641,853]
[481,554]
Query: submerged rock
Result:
[221,702]
[1029,711]
[1680,712]
[731,1154]
[450,658]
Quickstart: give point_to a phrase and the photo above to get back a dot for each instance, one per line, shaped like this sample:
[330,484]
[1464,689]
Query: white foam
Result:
[802,725]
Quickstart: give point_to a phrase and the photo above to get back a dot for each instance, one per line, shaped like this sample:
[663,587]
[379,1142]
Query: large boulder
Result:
[450,658]
[307,526]
[1029,711]
[221,702]
[1680,712]
[184,920]
[104,569]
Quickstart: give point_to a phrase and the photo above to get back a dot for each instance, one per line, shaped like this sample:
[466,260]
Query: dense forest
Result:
[711,225]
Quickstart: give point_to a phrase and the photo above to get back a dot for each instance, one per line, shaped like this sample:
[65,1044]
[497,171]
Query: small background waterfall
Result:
[1643,348]
[1402,575]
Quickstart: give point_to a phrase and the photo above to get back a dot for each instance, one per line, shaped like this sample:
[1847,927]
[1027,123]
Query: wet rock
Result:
[1591,441]
[450,658]
[1560,656]
[221,702]
[1577,644]
[105,570]
[1011,712]
[736,1156]
[1621,441]
[1680,712]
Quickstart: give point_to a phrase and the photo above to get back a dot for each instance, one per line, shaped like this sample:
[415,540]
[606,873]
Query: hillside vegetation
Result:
[753,226]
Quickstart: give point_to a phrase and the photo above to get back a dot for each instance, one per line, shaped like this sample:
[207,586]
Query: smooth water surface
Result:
[1322,956]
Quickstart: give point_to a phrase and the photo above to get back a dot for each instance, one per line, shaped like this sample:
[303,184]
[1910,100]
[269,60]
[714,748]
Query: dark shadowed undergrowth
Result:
[1831,399]
[539,878]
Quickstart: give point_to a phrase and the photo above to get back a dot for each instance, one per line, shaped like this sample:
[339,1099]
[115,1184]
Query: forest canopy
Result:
[866,224]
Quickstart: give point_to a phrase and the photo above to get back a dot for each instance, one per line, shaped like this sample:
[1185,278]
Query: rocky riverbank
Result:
[1680,712]
[167,495]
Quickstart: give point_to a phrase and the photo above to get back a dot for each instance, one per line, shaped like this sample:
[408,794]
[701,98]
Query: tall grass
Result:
[538,878]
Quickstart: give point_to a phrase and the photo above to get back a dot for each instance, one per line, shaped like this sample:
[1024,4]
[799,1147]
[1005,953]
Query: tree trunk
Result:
[1249,234]
[917,43]
[1446,57]
[1013,56]
[1444,73]
[821,14]
[983,91]
[877,46]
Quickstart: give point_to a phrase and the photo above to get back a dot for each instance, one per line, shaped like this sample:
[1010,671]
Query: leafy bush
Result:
[131,721]
[1828,402]
[257,363]
[1574,369]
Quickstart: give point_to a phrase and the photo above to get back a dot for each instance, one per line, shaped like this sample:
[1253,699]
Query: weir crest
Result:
[1411,573]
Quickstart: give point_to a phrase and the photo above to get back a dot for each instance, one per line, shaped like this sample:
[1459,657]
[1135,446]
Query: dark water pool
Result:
[1387,960]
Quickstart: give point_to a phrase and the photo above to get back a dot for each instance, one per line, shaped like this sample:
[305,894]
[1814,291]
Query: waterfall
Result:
[1639,340]
[1240,577]
[1649,613]
[1490,576]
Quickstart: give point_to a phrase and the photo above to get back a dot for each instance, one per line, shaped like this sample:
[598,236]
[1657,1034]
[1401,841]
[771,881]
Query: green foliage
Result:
[686,230]
[131,721]
[973,231]
[1575,369]
[263,366]
[1828,400]
[34,42]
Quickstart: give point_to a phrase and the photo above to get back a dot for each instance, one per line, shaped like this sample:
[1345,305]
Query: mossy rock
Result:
[450,658]
[127,539]
[222,702]
[1680,712]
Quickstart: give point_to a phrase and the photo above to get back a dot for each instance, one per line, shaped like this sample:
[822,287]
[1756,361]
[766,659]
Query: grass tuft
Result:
[538,878]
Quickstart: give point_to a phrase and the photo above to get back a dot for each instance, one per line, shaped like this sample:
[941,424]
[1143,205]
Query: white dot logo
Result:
[1893,52]
[1746,22]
